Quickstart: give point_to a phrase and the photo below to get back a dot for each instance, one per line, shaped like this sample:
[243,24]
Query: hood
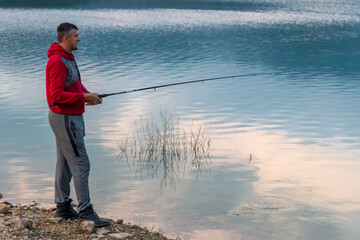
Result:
[56,49]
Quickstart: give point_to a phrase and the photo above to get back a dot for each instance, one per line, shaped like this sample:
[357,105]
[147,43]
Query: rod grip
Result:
[100,96]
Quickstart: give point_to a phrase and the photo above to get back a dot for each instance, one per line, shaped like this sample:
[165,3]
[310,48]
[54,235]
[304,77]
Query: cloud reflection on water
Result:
[26,187]
[312,177]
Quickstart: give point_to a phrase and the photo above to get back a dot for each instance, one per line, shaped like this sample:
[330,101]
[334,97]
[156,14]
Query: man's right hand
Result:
[92,98]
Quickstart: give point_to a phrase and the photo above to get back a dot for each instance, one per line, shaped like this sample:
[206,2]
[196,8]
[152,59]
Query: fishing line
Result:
[181,83]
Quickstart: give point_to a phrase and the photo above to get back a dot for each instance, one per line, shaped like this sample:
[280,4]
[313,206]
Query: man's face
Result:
[73,39]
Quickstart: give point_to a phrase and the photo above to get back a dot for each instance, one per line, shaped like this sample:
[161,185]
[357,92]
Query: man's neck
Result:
[64,46]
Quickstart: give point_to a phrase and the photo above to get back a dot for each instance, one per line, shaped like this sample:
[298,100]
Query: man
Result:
[66,97]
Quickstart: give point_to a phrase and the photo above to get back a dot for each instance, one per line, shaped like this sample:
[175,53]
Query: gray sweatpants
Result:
[72,158]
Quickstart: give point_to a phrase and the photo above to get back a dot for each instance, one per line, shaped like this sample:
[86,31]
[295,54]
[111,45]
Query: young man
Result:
[66,97]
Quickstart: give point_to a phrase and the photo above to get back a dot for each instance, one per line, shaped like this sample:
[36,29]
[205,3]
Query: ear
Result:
[65,38]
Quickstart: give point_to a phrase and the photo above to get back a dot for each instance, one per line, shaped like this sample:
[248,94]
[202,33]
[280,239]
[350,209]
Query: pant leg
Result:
[70,131]
[62,177]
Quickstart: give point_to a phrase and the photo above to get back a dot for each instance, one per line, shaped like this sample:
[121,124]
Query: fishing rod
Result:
[173,84]
[181,83]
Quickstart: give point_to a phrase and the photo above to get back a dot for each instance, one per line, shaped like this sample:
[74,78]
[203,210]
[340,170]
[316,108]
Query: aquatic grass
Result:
[162,147]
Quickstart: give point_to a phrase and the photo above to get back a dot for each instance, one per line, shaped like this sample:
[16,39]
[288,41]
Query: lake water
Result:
[300,124]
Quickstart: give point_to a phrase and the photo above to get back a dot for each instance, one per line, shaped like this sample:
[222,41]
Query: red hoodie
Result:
[63,82]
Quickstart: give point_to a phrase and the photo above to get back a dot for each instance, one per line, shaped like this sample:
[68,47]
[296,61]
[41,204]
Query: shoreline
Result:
[29,221]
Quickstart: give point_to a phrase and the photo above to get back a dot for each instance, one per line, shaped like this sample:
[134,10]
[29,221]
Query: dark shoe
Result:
[88,214]
[66,211]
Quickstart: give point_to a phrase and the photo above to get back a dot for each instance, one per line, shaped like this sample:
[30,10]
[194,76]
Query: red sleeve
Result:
[57,74]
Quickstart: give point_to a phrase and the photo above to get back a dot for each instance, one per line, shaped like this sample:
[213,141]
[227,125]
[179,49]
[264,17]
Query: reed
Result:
[163,148]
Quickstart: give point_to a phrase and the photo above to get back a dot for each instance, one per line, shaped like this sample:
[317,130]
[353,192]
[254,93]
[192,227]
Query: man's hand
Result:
[92,98]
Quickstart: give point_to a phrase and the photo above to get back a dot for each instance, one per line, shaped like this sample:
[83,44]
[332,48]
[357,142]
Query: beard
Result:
[74,46]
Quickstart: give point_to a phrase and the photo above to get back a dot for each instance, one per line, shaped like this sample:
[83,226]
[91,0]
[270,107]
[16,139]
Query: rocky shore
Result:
[29,221]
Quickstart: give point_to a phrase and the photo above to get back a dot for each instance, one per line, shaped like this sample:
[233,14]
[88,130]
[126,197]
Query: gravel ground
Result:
[31,222]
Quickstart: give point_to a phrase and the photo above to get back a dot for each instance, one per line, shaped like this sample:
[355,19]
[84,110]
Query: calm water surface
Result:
[301,124]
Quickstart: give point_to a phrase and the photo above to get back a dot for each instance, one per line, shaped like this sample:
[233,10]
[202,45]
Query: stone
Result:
[1,196]
[7,203]
[56,220]
[4,208]
[93,235]
[101,231]
[21,223]
[119,235]
[2,226]
[120,221]
[27,223]
[88,226]
[28,212]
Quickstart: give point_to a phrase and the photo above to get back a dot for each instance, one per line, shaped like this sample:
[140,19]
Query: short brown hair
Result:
[64,29]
